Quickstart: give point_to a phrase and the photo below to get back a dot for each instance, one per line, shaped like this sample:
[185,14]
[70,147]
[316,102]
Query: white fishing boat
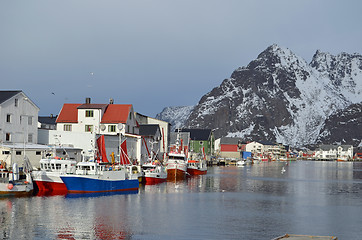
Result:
[47,180]
[153,170]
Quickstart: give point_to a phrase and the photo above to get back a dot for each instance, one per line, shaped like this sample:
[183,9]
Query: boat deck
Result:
[304,237]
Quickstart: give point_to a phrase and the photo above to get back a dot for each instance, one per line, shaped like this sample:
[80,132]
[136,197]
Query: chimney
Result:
[111,101]
[88,100]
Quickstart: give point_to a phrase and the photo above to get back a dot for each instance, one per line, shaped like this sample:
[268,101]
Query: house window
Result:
[16,102]
[30,137]
[7,137]
[8,118]
[30,121]
[112,128]
[18,153]
[88,128]
[67,127]
[89,113]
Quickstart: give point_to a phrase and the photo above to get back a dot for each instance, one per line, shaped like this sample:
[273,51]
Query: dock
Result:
[304,237]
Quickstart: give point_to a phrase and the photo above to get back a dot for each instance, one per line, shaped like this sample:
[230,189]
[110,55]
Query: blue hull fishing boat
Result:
[92,177]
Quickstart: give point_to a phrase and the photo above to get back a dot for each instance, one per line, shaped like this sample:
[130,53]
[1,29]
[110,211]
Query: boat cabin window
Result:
[58,166]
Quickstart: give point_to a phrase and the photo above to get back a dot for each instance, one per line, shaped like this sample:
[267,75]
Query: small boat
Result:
[16,181]
[241,163]
[196,167]
[47,179]
[154,173]
[93,177]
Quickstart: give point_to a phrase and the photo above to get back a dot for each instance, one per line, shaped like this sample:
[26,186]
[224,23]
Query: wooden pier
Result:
[304,237]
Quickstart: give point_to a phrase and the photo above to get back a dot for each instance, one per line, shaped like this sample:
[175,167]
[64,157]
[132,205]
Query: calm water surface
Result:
[254,202]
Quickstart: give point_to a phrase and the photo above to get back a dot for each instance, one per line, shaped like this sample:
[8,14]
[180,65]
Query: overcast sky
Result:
[156,53]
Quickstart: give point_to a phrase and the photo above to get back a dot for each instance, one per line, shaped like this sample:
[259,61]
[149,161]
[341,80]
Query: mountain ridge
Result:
[280,97]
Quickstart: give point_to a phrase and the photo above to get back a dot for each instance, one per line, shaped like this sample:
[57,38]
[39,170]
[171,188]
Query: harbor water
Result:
[258,201]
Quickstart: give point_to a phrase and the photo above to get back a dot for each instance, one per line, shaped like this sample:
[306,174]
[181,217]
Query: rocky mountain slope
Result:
[280,97]
[177,116]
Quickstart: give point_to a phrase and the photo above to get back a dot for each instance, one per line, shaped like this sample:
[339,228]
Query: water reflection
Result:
[255,202]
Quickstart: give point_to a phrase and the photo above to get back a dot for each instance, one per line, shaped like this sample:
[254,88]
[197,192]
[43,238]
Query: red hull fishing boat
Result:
[177,162]
[197,166]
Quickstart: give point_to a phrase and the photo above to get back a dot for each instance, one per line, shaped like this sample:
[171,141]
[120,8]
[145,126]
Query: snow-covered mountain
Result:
[280,97]
[177,116]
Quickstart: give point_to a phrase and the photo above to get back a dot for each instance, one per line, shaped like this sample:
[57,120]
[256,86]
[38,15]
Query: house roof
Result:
[5,95]
[116,113]
[197,134]
[92,106]
[149,129]
[230,140]
[47,119]
[69,113]
[334,147]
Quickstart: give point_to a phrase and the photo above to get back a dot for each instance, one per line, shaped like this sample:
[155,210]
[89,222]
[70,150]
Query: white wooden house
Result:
[18,118]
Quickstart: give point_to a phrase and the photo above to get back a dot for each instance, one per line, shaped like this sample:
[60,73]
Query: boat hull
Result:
[51,187]
[195,171]
[16,189]
[92,184]
[176,174]
[153,180]
[49,182]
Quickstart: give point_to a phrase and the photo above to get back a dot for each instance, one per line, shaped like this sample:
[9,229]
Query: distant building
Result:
[334,152]
[47,122]
[256,148]
[227,147]
[164,130]
[200,140]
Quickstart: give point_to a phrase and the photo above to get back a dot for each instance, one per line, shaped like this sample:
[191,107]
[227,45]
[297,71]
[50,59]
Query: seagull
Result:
[283,170]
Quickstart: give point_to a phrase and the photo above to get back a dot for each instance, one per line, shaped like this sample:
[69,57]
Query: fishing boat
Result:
[93,177]
[176,166]
[16,181]
[99,175]
[154,173]
[176,161]
[198,165]
[47,179]
[153,170]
